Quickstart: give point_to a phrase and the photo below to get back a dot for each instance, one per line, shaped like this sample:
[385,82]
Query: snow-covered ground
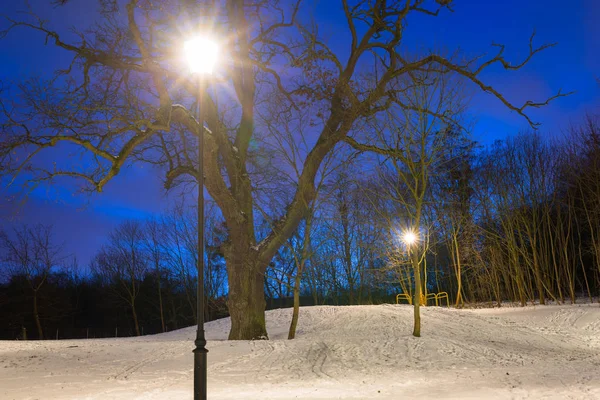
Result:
[361,352]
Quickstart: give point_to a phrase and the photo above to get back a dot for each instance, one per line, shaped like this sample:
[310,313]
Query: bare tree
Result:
[414,139]
[451,199]
[154,243]
[32,253]
[125,99]
[122,265]
[180,229]
[350,234]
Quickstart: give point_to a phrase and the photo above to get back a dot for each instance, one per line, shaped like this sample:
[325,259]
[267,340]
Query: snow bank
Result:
[359,352]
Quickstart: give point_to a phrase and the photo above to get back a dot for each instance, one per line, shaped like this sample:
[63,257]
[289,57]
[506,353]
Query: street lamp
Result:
[201,54]
[409,238]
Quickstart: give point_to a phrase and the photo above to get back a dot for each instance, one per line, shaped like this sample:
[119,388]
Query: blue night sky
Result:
[573,65]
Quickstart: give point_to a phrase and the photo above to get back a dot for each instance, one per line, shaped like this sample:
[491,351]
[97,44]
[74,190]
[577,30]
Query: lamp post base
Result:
[200,367]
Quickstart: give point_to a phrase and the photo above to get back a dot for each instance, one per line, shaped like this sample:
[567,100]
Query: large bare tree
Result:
[126,98]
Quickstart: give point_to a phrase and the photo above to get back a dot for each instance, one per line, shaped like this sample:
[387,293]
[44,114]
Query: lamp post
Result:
[201,55]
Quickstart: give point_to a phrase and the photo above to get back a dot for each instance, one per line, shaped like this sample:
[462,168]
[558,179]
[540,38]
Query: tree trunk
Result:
[135,319]
[458,270]
[36,316]
[417,298]
[246,301]
[160,302]
[173,316]
[315,295]
[306,251]
[294,324]
[537,272]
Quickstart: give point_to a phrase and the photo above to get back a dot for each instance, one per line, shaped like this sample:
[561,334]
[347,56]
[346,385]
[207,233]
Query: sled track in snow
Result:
[154,357]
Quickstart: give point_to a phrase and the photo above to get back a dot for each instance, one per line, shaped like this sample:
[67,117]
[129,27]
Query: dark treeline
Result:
[143,280]
[517,221]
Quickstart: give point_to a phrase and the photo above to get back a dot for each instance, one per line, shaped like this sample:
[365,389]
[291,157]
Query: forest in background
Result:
[515,221]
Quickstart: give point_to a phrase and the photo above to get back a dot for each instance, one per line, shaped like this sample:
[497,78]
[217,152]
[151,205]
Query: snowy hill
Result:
[359,352]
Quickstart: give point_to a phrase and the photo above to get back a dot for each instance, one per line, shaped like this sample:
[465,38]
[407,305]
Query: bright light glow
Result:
[201,54]
[409,237]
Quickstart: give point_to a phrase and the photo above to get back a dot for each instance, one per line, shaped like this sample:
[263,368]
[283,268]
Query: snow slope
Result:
[359,352]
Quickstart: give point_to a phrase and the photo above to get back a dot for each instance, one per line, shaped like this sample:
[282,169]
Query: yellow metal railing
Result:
[405,296]
[443,295]
[425,298]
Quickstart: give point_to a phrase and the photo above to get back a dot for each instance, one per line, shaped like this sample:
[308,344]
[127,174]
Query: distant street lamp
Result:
[409,238]
[201,54]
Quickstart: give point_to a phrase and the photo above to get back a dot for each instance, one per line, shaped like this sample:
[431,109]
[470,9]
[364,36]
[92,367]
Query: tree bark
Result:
[246,301]
[458,267]
[36,316]
[160,305]
[294,323]
[306,251]
[135,319]
[417,296]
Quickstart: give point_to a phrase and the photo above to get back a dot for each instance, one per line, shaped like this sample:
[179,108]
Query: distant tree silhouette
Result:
[31,253]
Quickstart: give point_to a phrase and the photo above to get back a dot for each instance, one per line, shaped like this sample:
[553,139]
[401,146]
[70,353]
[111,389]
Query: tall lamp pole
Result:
[201,54]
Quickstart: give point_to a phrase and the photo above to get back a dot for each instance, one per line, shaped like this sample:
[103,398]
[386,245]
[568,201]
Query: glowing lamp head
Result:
[409,237]
[201,54]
